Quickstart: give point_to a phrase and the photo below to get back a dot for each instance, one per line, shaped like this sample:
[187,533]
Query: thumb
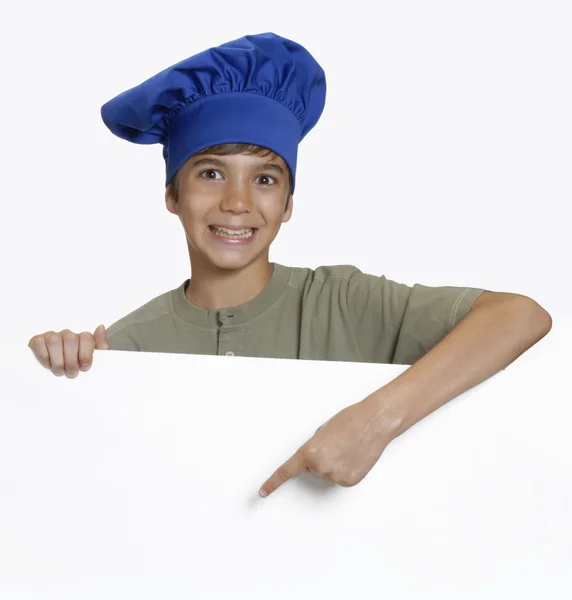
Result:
[101,341]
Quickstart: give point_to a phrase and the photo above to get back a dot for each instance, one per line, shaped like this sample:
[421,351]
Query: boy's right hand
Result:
[67,352]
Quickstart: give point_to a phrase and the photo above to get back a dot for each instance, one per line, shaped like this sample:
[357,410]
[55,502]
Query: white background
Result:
[139,480]
[443,157]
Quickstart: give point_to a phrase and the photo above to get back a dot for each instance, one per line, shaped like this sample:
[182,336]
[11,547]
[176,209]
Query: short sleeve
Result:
[120,339]
[396,323]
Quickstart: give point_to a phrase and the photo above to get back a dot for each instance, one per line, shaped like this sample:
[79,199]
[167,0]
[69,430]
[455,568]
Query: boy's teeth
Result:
[233,233]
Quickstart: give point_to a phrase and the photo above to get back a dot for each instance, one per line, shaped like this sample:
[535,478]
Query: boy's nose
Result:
[237,200]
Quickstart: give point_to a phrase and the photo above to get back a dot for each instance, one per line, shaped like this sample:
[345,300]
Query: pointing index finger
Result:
[288,470]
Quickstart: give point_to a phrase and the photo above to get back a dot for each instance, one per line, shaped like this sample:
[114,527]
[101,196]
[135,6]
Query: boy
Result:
[230,120]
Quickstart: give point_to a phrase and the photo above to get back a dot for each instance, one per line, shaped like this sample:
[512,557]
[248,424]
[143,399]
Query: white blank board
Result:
[139,480]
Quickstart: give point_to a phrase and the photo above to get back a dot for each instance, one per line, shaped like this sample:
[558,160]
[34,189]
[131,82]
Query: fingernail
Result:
[84,367]
[263,493]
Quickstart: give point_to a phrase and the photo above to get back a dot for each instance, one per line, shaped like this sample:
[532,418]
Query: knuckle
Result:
[324,469]
[282,475]
[314,452]
[321,464]
[35,340]
[68,336]
[86,341]
[52,338]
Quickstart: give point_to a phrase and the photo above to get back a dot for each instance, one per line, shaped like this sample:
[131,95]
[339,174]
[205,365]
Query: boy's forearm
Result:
[486,341]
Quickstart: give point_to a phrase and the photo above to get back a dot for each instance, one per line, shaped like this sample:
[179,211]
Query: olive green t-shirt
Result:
[329,313]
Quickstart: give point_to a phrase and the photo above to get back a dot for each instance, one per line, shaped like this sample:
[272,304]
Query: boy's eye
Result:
[266,180]
[210,174]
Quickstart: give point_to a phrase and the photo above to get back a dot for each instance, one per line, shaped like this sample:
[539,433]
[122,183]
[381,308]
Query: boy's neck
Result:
[214,289]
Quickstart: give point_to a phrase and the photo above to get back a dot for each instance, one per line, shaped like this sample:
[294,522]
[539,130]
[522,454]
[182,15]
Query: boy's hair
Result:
[227,149]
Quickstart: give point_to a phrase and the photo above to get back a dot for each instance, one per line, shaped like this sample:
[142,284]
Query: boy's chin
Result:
[232,263]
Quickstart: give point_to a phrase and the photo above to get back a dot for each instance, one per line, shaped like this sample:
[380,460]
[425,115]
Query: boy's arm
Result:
[496,331]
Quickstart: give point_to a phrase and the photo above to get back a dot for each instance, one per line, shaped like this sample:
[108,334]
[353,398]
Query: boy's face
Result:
[247,194]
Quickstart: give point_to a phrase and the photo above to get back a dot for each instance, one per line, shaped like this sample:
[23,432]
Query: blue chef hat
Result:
[259,89]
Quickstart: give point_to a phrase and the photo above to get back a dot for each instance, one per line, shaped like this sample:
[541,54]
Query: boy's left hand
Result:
[342,451]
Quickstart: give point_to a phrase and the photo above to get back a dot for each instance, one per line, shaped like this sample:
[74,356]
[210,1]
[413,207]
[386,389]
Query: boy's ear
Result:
[170,199]
[288,210]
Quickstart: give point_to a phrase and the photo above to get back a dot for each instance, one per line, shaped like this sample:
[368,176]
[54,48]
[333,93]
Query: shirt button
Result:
[229,353]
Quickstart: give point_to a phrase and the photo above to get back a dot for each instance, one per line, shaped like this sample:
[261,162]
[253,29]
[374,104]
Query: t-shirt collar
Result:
[194,315]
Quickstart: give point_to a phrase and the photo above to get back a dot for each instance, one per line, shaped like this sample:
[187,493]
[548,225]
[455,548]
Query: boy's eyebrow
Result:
[210,161]
[267,166]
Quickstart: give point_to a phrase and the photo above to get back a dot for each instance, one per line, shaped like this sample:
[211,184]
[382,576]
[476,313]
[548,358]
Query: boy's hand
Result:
[67,352]
[342,451]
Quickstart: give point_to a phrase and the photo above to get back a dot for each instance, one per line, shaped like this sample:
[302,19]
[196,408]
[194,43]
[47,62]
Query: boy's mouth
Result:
[233,233]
